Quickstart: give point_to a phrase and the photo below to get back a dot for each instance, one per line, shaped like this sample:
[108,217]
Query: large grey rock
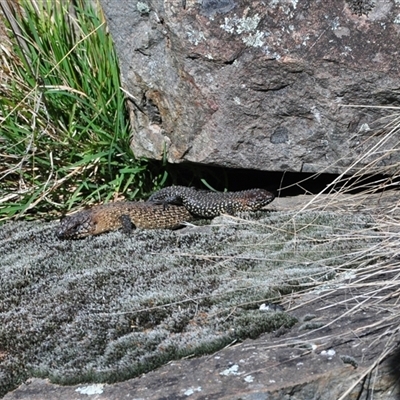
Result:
[257,84]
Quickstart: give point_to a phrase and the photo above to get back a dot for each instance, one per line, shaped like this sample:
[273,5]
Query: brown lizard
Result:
[122,214]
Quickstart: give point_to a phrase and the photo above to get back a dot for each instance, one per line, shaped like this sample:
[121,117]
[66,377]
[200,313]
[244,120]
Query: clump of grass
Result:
[64,130]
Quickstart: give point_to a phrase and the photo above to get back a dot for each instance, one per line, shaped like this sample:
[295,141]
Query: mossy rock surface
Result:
[110,307]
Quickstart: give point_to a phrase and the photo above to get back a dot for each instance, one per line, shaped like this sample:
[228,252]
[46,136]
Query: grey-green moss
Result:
[114,306]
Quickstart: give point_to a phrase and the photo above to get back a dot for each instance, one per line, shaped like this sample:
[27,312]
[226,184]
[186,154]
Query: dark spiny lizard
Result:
[204,203]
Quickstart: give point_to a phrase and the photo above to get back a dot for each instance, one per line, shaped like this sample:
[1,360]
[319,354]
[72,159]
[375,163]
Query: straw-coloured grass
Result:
[374,282]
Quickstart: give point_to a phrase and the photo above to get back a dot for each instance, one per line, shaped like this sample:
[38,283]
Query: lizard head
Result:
[75,226]
[254,199]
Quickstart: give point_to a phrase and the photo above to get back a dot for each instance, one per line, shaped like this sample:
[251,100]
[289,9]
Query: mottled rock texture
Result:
[110,307]
[107,308]
[299,364]
[257,84]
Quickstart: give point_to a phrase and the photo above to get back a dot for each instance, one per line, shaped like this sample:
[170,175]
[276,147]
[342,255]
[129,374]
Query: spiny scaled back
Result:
[209,204]
[113,216]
